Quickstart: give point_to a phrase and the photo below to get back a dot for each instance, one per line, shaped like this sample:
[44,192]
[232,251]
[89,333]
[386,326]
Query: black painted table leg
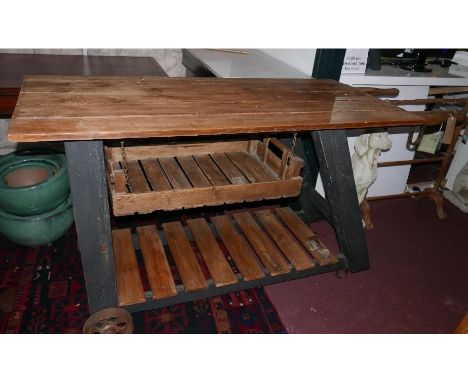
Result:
[91,208]
[338,181]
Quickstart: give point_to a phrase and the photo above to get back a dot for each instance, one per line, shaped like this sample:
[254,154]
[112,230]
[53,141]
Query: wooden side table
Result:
[88,112]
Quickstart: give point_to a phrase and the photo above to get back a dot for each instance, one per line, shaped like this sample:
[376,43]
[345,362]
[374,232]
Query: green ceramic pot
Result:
[33,182]
[39,229]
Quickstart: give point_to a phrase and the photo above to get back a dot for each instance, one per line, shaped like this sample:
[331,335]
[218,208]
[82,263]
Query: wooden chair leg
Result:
[365,210]
[438,199]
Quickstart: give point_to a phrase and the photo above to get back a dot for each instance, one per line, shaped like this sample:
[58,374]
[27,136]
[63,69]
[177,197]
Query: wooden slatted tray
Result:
[175,176]
[223,251]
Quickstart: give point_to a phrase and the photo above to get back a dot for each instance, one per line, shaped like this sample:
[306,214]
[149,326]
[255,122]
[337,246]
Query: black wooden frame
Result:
[92,217]
[92,220]
[212,290]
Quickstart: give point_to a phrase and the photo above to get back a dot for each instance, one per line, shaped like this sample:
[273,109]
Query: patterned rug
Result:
[42,290]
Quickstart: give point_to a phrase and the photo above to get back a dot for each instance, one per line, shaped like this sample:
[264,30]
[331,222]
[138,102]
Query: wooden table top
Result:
[15,66]
[59,108]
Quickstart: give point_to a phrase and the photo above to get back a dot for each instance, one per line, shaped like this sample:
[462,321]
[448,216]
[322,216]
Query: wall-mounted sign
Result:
[355,61]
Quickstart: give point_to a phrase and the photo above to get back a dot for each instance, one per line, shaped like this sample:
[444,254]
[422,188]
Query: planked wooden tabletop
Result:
[59,108]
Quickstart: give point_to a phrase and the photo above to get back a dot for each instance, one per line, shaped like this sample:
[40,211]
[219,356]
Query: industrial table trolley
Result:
[155,144]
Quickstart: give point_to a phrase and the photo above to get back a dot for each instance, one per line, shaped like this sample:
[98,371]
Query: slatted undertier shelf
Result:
[213,253]
[175,176]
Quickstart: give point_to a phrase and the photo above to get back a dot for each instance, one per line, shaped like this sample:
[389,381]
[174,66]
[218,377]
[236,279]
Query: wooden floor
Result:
[220,251]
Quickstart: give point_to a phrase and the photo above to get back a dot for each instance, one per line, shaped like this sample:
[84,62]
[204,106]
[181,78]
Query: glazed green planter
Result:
[38,229]
[36,198]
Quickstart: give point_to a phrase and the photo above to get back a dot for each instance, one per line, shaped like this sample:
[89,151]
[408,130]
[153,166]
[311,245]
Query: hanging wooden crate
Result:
[175,176]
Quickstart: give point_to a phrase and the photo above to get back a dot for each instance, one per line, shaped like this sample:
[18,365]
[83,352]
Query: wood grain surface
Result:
[54,108]
[129,286]
[262,244]
[284,240]
[157,267]
[238,249]
[217,265]
[184,257]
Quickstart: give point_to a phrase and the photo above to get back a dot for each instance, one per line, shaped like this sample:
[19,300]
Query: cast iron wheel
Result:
[342,273]
[109,321]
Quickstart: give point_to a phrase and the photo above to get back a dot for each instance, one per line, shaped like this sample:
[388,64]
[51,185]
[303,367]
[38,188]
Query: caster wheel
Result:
[342,273]
[109,321]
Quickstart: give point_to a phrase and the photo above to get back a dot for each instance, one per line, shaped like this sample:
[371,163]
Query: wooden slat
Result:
[252,168]
[284,240]
[229,169]
[184,257]
[156,175]
[156,265]
[307,238]
[129,286]
[377,92]
[188,89]
[438,116]
[294,222]
[238,249]
[193,172]
[124,204]
[119,178]
[115,174]
[217,265]
[437,90]
[136,178]
[171,101]
[180,81]
[261,102]
[174,173]
[179,149]
[82,128]
[211,170]
[154,107]
[262,244]
[180,85]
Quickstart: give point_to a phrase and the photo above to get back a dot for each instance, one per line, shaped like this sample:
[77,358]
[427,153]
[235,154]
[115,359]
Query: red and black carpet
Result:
[42,290]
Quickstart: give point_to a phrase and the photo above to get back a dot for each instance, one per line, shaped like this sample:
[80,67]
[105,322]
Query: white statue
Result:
[368,148]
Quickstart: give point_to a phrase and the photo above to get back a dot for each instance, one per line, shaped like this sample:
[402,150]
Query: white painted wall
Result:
[300,59]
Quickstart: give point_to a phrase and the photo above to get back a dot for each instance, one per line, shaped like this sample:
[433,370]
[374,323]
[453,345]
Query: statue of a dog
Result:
[367,151]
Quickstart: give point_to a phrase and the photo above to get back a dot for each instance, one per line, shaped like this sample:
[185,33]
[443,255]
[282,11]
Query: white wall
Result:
[300,59]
